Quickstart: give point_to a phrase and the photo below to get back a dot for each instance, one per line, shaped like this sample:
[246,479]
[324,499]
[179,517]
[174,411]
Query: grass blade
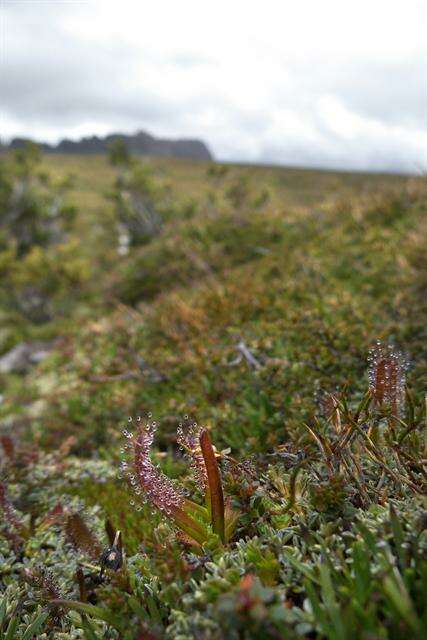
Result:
[35,626]
[99,613]
[3,607]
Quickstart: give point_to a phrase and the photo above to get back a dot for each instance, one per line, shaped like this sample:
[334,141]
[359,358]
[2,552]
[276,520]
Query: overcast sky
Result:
[310,83]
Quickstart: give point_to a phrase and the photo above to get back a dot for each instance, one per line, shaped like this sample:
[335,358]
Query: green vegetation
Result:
[284,495]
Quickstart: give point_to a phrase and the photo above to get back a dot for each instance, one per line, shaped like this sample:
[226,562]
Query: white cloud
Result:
[326,84]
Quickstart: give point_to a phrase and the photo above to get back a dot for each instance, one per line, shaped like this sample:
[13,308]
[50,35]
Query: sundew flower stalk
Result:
[387,376]
[150,484]
[188,438]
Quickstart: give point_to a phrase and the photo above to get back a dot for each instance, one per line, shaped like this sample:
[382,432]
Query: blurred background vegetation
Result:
[140,278]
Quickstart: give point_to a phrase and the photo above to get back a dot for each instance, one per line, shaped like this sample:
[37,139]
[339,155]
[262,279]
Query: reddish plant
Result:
[47,589]
[10,514]
[387,376]
[151,484]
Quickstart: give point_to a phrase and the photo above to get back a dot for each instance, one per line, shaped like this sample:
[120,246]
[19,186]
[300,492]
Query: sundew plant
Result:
[198,522]
[387,376]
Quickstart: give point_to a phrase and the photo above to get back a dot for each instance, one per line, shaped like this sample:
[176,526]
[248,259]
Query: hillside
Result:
[140,143]
[246,300]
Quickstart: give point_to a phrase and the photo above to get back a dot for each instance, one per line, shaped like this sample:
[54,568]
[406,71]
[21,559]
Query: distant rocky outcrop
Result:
[140,143]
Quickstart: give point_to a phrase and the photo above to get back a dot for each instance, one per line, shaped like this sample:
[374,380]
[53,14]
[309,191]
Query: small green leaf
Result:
[35,626]
[3,607]
[89,631]
[12,626]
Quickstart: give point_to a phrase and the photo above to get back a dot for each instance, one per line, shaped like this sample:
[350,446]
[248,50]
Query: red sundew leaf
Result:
[387,376]
[8,446]
[215,485]
[79,534]
[10,513]
[110,531]
[379,385]
[44,580]
[188,437]
[55,516]
[82,587]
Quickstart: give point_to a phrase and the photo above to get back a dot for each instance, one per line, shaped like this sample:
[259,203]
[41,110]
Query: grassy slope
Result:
[308,280]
